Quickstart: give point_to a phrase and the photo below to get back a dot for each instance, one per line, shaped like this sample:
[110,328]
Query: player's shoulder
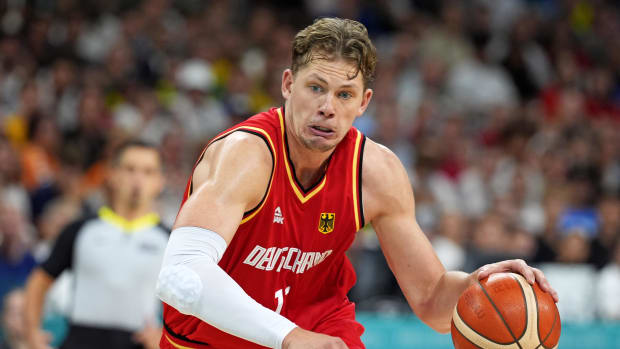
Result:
[234,159]
[239,144]
[385,183]
[380,164]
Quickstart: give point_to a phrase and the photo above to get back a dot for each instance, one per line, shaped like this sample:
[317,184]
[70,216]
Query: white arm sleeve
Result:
[191,281]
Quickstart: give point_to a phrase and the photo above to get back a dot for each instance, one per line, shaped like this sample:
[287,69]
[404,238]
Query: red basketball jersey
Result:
[289,252]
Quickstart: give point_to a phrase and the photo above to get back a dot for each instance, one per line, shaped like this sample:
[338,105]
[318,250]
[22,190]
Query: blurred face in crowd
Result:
[13,315]
[136,179]
[609,214]
[55,217]
[452,226]
[574,248]
[490,234]
[322,101]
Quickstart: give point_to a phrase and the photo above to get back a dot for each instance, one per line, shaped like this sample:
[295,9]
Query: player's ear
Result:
[287,83]
[365,101]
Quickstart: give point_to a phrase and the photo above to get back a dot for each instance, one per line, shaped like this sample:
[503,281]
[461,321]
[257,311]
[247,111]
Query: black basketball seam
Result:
[502,317]
[478,333]
[525,302]
[537,319]
[464,336]
[555,318]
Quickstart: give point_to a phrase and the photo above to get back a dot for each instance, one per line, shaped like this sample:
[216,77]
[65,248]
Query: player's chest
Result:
[326,219]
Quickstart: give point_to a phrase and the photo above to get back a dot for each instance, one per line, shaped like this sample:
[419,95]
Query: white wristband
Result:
[191,281]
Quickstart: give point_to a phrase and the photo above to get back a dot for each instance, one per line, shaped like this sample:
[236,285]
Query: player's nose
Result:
[327,106]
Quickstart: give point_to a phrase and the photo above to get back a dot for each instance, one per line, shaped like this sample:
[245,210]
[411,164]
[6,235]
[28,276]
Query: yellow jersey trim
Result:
[355,176]
[128,226]
[176,345]
[273,171]
[303,198]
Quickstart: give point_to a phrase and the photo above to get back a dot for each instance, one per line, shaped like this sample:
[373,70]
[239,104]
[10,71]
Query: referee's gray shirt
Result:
[115,264]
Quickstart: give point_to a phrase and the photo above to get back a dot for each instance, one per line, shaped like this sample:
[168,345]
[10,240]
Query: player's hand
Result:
[39,339]
[519,266]
[302,339]
[148,337]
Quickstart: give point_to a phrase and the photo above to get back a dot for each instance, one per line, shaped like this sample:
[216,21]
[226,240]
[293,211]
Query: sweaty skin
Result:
[322,101]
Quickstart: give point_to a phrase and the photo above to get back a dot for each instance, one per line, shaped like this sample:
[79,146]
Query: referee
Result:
[114,257]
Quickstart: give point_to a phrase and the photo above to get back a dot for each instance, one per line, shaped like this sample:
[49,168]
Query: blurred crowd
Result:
[505,113]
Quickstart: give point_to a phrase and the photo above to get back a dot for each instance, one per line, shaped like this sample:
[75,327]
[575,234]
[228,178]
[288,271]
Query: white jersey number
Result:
[280,297]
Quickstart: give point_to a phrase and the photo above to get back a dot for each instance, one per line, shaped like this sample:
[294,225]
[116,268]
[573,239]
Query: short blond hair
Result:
[334,38]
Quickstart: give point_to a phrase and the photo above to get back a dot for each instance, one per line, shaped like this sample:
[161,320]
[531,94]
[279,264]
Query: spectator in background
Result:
[11,188]
[608,302]
[479,83]
[602,247]
[489,242]
[581,213]
[87,140]
[57,214]
[575,279]
[12,321]
[15,125]
[449,242]
[40,165]
[194,107]
[16,260]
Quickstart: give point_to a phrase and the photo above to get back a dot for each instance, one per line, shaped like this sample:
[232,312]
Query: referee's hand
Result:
[39,339]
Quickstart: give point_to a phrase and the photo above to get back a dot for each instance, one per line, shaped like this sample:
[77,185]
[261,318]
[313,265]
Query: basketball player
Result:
[257,254]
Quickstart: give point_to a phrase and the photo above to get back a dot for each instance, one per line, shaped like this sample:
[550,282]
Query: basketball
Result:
[505,311]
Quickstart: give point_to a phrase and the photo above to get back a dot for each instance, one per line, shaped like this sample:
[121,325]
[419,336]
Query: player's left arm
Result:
[430,290]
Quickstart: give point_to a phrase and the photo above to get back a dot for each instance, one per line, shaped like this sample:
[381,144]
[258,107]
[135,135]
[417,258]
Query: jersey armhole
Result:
[250,213]
[360,202]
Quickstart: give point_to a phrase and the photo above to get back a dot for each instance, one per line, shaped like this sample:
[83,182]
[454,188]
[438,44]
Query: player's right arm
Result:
[230,179]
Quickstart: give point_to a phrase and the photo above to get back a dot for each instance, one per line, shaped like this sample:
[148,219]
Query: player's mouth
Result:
[321,131]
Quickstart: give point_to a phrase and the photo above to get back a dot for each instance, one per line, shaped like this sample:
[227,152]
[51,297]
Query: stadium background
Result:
[505,113]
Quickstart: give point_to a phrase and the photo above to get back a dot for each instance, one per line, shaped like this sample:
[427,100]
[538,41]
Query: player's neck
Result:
[309,165]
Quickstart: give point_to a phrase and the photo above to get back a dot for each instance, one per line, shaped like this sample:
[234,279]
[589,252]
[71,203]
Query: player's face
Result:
[137,178]
[323,102]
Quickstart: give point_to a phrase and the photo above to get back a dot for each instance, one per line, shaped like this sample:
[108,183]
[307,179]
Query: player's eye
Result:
[345,95]
[316,88]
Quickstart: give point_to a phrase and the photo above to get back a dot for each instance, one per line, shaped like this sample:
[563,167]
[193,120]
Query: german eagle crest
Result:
[326,222]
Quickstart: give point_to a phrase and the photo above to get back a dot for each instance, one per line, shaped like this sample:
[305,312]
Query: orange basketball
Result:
[504,311]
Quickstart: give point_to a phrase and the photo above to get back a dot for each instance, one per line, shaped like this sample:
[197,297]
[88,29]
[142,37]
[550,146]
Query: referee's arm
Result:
[42,279]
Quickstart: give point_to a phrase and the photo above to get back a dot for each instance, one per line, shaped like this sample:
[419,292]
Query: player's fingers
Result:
[495,268]
[541,279]
[483,272]
[544,284]
[522,268]
[488,270]
[554,294]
